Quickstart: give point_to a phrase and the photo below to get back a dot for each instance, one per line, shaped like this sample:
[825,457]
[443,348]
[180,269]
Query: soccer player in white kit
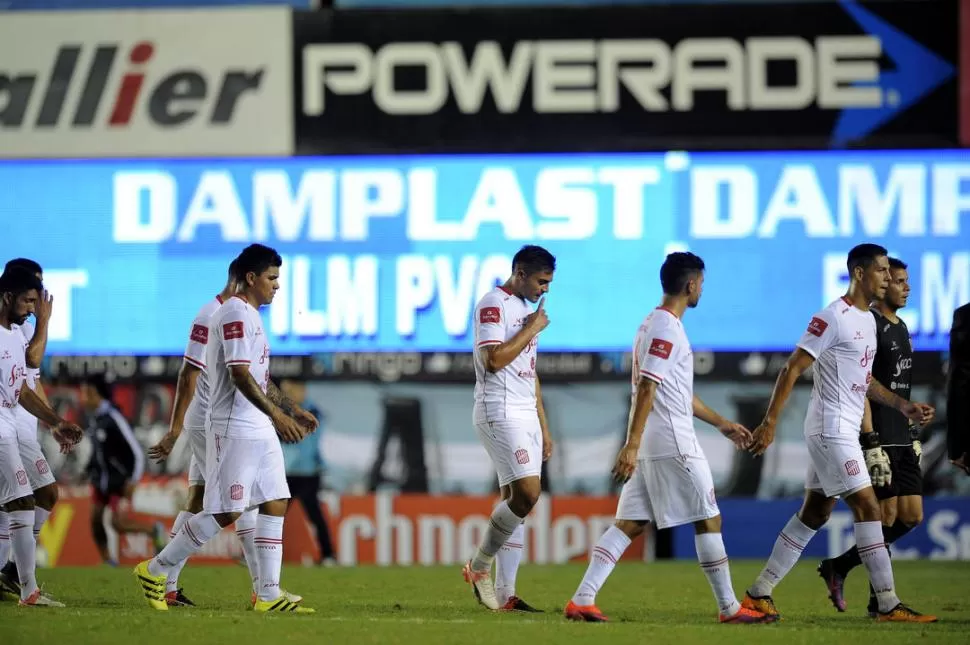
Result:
[244,460]
[841,343]
[666,477]
[189,413]
[19,293]
[38,470]
[510,420]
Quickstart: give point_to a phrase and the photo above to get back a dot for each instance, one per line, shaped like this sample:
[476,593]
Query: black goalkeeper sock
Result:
[850,559]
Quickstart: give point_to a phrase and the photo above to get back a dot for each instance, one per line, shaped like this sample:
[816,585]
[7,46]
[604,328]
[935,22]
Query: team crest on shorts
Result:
[711,497]
[522,456]
[42,466]
[22,477]
[236,492]
[852,467]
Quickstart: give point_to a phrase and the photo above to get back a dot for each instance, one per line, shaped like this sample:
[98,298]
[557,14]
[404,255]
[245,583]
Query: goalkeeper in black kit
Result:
[887,437]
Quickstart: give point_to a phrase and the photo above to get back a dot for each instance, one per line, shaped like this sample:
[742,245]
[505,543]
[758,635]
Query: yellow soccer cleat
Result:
[152,586]
[281,605]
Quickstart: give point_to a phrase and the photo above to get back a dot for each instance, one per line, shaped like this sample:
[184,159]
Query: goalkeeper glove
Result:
[877,461]
[917,444]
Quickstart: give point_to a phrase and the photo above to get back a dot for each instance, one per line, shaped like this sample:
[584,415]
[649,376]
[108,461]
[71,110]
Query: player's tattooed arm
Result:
[918,412]
[282,401]
[245,383]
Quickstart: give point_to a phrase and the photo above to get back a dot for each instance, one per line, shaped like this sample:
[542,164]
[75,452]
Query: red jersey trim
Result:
[483,343]
[652,376]
[219,299]
[238,362]
[668,311]
[506,290]
[192,361]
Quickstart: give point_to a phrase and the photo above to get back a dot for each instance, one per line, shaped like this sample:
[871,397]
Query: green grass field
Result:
[667,602]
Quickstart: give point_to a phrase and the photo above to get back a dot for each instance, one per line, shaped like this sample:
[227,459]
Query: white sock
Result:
[269,545]
[501,525]
[875,557]
[40,516]
[507,564]
[788,548]
[4,538]
[714,564]
[198,530]
[24,550]
[172,584]
[607,551]
[246,532]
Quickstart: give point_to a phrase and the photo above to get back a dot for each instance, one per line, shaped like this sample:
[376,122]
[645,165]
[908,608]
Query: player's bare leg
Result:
[507,516]
[713,559]
[507,562]
[606,553]
[193,506]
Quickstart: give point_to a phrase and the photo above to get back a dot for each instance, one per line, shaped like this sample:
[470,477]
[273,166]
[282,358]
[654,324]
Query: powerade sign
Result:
[731,76]
[750,528]
[391,253]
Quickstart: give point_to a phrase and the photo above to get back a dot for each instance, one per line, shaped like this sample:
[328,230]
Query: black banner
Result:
[458,367]
[660,77]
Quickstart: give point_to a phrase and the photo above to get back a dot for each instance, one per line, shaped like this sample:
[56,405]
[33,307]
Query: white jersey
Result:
[13,377]
[662,354]
[236,337]
[195,352]
[842,340]
[26,422]
[509,393]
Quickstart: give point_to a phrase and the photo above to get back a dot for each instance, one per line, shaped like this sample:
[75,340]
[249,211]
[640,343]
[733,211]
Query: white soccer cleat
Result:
[482,586]
[37,599]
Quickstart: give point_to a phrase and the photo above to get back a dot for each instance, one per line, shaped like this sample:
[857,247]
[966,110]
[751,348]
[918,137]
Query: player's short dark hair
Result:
[864,255]
[232,268]
[17,280]
[677,270]
[255,258]
[102,383]
[896,263]
[24,263]
[532,259]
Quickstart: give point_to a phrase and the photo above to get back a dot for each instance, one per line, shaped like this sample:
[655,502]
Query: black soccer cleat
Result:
[515,603]
[177,599]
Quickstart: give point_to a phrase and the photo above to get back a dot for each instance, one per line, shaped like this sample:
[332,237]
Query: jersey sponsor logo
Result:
[522,456]
[660,348]
[852,468]
[817,326]
[232,330]
[489,315]
[236,492]
[41,466]
[867,356]
[711,497]
[22,477]
[903,364]
[200,334]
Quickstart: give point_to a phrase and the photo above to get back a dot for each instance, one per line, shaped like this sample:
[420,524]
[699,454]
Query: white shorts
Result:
[14,482]
[514,446]
[838,467]
[243,473]
[35,463]
[196,438]
[669,492]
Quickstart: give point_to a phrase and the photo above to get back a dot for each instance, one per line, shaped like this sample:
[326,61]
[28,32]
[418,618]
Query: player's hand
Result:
[919,413]
[737,433]
[289,429]
[962,462]
[538,320]
[761,438]
[43,308]
[67,435]
[626,461]
[161,450]
[547,444]
[305,419]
